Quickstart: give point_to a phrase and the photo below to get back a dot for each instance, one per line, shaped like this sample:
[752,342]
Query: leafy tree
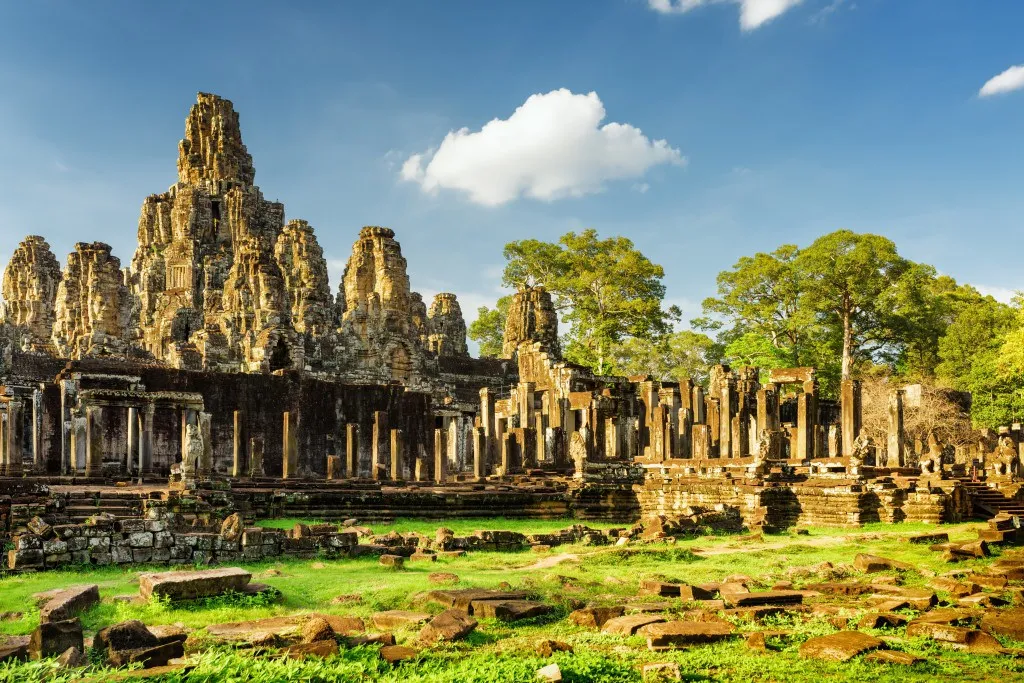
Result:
[488,330]
[760,296]
[758,351]
[849,282]
[607,289]
[674,357]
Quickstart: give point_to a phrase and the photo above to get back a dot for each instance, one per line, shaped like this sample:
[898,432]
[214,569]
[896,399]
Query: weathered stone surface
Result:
[595,617]
[189,585]
[394,561]
[29,290]
[892,657]
[127,635]
[54,637]
[1007,622]
[881,620]
[839,647]
[154,656]
[463,599]
[873,563]
[449,625]
[738,599]
[551,673]
[443,577]
[509,610]
[69,602]
[393,654]
[548,647]
[304,270]
[92,310]
[531,318]
[446,327]
[629,624]
[398,618]
[317,629]
[231,528]
[672,634]
[13,648]
[72,658]
[317,648]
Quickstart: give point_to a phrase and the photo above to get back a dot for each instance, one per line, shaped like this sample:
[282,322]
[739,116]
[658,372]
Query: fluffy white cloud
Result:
[1008,81]
[552,146]
[753,13]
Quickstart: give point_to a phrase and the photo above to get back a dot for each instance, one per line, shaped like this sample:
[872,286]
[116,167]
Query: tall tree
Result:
[607,289]
[850,283]
[488,330]
[675,357]
[761,296]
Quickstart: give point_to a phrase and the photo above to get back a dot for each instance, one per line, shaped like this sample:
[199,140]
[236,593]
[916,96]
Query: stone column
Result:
[395,471]
[333,467]
[131,459]
[701,441]
[256,457]
[670,399]
[237,445]
[767,409]
[727,407]
[894,452]
[4,442]
[714,420]
[146,440]
[526,408]
[290,444]
[685,437]
[804,428]
[441,455]
[93,441]
[380,435]
[850,414]
[700,415]
[352,450]
[479,452]
[487,423]
[38,456]
[612,439]
[205,468]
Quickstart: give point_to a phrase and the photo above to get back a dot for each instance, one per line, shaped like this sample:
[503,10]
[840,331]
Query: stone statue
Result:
[761,455]
[1005,464]
[861,448]
[192,452]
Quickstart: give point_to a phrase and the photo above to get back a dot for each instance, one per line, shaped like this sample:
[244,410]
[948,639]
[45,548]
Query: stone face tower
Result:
[92,308]
[29,290]
[531,318]
[221,282]
[447,327]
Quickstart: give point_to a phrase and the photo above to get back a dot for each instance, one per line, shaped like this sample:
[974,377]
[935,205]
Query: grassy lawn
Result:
[461,527]
[501,652]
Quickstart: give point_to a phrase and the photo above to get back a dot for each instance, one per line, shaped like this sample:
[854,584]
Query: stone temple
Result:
[218,372]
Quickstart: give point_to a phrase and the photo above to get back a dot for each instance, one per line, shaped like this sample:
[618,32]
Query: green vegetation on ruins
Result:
[564,578]
[848,304]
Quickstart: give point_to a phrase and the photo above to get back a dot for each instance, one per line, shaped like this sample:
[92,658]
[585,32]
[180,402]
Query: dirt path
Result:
[553,561]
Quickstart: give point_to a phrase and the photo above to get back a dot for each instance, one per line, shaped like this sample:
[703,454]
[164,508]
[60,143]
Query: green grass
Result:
[461,527]
[501,652]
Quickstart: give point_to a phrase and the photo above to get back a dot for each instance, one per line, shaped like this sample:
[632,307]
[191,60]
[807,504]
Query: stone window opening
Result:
[280,358]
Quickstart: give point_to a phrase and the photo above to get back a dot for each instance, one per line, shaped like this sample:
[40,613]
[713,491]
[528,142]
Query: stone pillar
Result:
[94,441]
[685,437]
[526,398]
[333,467]
[540,454]
[669,398]
[352,450]
[396,470]
[767,409]
[487,423]
[205,468]
[15,437]
[479,452]
[418,473]
[554,445]
[714,420]
[700,415]
[38,456]
[131,461]
[380,434]
[834,444]
[612,439]
[237,446]
[77,449]
[894,452]
[256,457]
[527,441]
[507,453]
[727,407]
[146,440]
[804,428]
[631,437]
[701,441]
[441,454]
[5,448]
[290,446]
[850,414]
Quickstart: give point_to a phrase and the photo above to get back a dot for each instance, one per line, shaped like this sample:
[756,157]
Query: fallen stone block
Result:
[52,638]
[450,625]
[892,657]
[673,634]
[69,602]
[882,620]
[191,585]
[551,672]
[929,539]
[1007,622]
[509,610]
[839,647]
[547,647]
[317,629]
[393,561]
[873,563]
[13,648]
[149,657]
[734,599]
[595,617]
[463,599]
[318,648]
[398,618]
[629,624]
[393,654]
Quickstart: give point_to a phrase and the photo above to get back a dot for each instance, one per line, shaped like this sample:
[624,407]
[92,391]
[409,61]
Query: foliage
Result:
[938,412]
[607,290]
[488,330]
[674,357]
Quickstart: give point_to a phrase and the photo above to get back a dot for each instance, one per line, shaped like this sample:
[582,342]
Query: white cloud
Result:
[551,147]
[1002,294]
[753,13]
[1008,81]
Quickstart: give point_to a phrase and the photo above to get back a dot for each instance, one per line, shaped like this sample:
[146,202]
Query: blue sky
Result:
[859,114]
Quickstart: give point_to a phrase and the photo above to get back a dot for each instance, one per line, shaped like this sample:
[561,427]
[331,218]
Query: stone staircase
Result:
[80,505]
[988,502]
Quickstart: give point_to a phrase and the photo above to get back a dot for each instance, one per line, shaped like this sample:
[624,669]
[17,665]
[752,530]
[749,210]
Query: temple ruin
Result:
[218,372]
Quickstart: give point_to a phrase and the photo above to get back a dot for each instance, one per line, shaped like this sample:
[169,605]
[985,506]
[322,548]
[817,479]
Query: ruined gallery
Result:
[217,372]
